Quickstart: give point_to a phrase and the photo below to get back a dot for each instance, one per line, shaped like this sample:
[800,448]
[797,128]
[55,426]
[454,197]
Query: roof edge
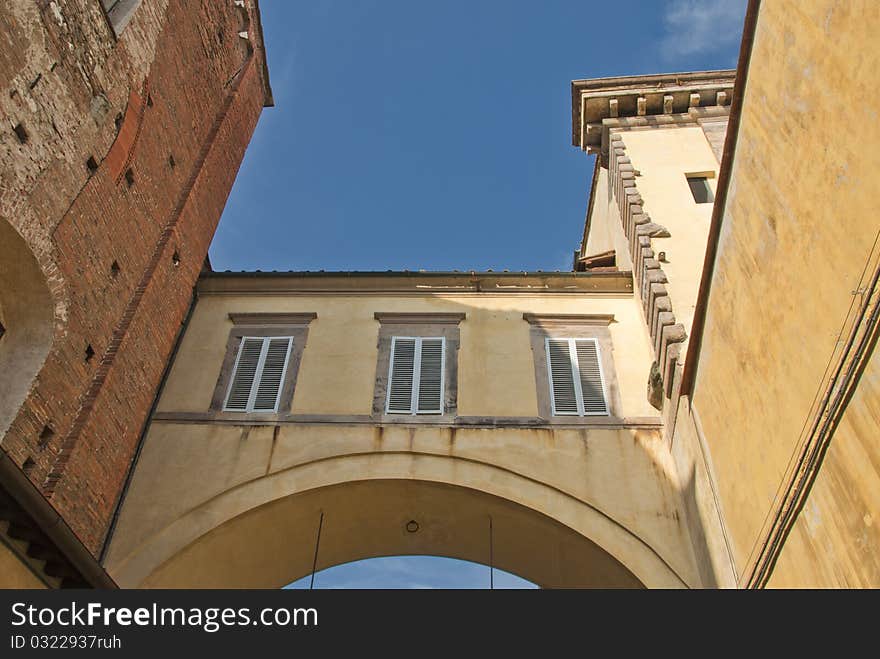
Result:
[651,83]
[268,99]
[403,282]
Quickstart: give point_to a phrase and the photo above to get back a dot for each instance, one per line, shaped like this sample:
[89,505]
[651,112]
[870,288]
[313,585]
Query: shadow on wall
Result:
[26,316]
[274,544]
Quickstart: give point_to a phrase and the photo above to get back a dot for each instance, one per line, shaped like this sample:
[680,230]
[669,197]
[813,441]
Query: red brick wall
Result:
[206,92]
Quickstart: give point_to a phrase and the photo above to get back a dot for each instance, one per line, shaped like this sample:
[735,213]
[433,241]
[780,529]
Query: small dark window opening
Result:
[114,269]
[129,177]
[118,121]
[175,259]
[92,165]
[21,133]
[171,161]
[2,330]
[46,436]
[28,465]
[90,352]
[700,189]
[149,101]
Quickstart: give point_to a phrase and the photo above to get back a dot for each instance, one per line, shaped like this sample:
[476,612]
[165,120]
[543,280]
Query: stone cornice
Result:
[272,318]
[567,319]
[518,422]
[414,283]
[419,318]
[603,103]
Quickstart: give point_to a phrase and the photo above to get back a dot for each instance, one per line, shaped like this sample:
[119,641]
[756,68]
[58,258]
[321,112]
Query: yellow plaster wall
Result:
[453,521]
[798,228]
[338,369]
[606,230]
[663,156]
[15,574]
[614,487]
[837,535]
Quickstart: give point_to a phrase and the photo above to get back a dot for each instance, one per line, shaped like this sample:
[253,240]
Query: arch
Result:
[410,572]
[27,315]
[262,533]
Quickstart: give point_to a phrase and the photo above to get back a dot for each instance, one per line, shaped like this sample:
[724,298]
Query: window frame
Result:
[574,362]
[259,326]
[702,177]
[573,326]
[258,374]
[119,13]
[417,325]
[416,376]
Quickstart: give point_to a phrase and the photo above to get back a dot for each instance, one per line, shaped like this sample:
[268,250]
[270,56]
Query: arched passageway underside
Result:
[212,506]
[274,544]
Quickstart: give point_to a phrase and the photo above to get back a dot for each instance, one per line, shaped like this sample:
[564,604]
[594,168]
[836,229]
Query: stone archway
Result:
[27,316]
[274,544]
[261,533]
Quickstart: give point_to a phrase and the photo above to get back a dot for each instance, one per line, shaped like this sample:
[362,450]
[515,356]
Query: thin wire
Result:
[317,544]
[787,482]
[491,557]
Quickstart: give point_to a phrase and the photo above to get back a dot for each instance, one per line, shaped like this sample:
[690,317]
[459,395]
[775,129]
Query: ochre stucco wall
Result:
[14,573]
[606,231]
[663,156]
[198,482]
[836,537]
[614,487]
[337,375]
[798,227]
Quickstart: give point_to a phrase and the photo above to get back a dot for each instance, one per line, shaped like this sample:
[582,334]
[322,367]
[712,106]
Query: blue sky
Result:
[409,134]
[411,572]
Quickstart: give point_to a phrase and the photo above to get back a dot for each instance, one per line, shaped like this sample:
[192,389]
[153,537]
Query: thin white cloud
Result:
[693,27]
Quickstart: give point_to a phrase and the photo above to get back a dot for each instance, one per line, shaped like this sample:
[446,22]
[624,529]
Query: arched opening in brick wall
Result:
[26,315]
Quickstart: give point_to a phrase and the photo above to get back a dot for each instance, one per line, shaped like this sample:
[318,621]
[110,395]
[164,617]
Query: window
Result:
[700,188]
[259,370]
[119,13]
[417,367]
[258,374]
[575,378]
[415,375]
[577,384]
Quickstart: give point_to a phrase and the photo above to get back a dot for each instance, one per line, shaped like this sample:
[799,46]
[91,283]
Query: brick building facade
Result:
[123,127]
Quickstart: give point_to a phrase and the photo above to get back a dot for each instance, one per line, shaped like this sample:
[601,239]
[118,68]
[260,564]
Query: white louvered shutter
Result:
[243,375]
[272,375]
[577,385]
[416,375]
[431,377]
[258,376]
[591,378]
[562,386]
[401,375]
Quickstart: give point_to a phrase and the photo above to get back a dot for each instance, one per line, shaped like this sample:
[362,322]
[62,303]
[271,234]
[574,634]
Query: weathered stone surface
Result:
[654,230]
